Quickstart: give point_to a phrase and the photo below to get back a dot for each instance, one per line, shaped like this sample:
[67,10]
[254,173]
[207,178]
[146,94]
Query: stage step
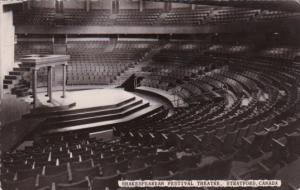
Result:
[21,69]
[86,120]
[19,73]
[95,113]
[104,125]
[41,112]
[12,77]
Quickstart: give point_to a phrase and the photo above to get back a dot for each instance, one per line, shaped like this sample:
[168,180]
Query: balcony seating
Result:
[44,17]
[80,17]
[272,16]
[133,17]
[185,16]
[232,15]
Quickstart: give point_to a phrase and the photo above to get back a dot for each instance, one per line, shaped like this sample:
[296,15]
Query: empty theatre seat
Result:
[78,185]
[110,182]
[47,180]
[80,174]
[138,174]
[28,183]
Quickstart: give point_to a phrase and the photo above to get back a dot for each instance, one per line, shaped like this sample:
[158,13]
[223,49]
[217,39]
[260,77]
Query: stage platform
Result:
[94,110]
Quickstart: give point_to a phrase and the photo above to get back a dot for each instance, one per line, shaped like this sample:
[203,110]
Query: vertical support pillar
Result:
[34,87]
[193,7]
[28,3]
[64,80]
[141,5]
[87,5]
[50,83]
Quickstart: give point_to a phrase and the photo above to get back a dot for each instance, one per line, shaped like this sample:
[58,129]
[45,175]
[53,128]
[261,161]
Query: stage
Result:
[96,109]
[81,99]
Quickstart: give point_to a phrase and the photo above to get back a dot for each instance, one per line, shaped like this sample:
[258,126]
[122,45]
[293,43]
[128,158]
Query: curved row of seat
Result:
[249,113]
[177,16]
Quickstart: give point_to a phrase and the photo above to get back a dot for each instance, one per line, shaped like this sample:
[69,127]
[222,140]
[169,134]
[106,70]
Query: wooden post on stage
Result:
[50,61]
[64,80]
[50,81]
[34,87]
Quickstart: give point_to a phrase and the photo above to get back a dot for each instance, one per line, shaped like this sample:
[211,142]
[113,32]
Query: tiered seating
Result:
[41,16]
[224,16]
[77,159]
[94,63]
[177,16]
[176,64]
[227,49]
[136,17]
[33,47]
[283,52]
[261,111]
[82,17]
[247,111]
[181,16]
[269,16]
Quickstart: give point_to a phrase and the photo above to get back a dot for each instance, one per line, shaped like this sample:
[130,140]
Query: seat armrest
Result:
[278,142]
[44,170]
[89,182]
[37,180]
[53,186]
[246,140]
[69,171]
[220,139]
[151,135]
[263,166]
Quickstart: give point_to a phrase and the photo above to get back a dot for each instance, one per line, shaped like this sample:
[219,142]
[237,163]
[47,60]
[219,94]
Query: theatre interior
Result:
[97,91]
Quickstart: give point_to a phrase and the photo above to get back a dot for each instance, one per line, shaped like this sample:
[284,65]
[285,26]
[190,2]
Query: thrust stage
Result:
[93,110]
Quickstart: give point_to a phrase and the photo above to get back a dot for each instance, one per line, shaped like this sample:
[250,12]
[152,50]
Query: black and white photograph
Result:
[149,94]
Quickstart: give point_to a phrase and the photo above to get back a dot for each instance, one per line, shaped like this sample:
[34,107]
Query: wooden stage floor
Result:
[83,98]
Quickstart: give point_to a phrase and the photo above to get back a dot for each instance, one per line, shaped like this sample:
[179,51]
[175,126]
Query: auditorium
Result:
[98,93]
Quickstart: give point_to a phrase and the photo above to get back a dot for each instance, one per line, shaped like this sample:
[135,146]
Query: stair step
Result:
[8,81]
[95,112]
[11,77]
[94,119]
[15,73]
[21,69]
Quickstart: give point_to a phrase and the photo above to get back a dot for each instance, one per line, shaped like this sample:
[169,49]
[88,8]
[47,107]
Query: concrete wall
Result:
[7,32]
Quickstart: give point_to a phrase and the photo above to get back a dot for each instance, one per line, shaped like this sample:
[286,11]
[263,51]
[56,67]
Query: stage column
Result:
[64,80]
[50,83]
[34,87]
